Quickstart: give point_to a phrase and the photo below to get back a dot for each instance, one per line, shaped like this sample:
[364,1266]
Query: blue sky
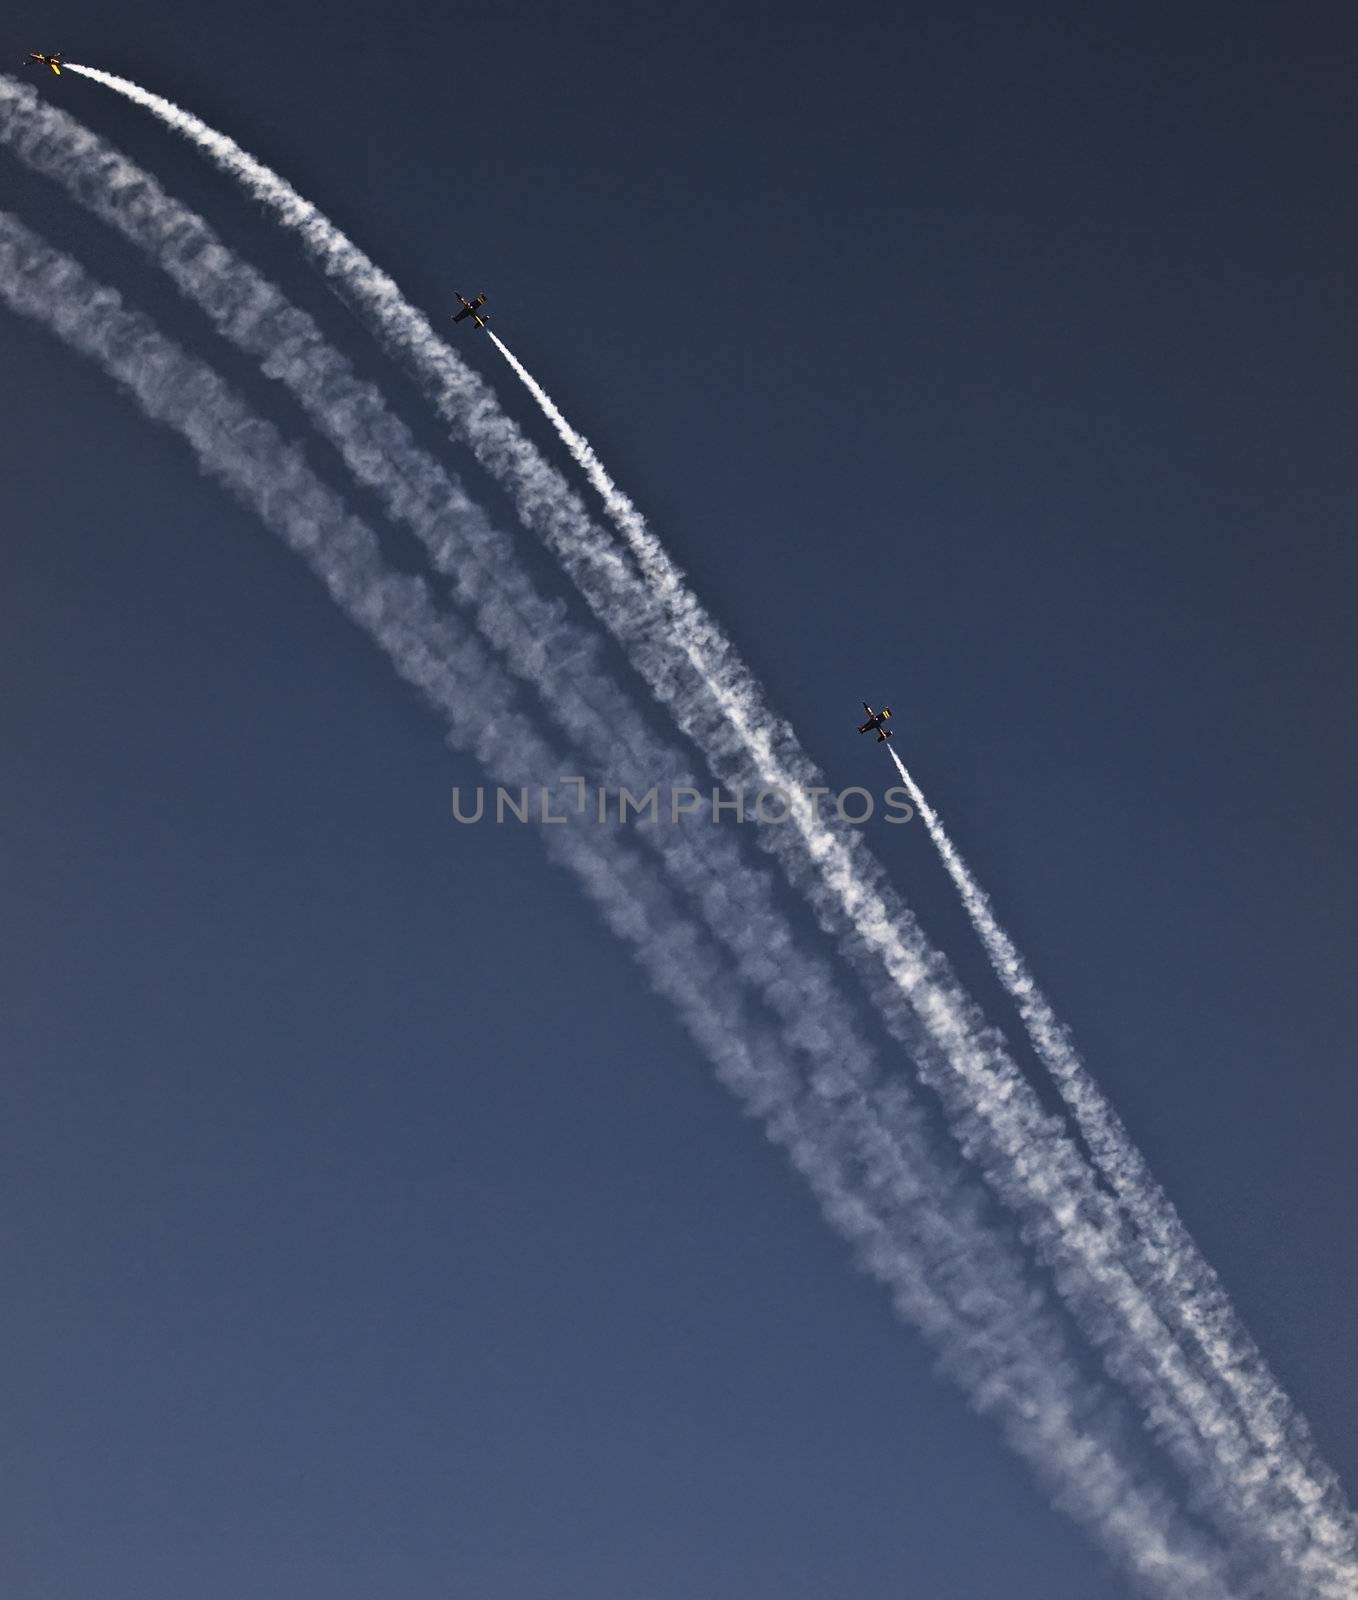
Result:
[373,1227]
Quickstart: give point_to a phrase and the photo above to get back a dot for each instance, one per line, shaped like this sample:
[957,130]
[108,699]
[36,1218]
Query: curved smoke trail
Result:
[1320,1537]
[1192,1290]
[1027,1157]
[944,1275]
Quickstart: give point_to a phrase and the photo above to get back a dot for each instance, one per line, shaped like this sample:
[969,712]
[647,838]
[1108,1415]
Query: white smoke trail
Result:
[540,646]
[994,1338]
[689,664]
[1318,1534]
[1192,1291]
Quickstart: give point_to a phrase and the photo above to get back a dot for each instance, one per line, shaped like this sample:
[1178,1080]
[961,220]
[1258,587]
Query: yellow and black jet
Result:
[39,60]
[875,720]
[469,309]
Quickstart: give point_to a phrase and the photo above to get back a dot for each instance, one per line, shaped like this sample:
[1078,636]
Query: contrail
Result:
[994,1337]
[1027,1156]
[1278,1434]
[1191,1290]
[1312,1513]
[539,645]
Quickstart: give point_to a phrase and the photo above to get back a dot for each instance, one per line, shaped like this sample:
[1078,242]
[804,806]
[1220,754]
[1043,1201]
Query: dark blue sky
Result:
[371,1229]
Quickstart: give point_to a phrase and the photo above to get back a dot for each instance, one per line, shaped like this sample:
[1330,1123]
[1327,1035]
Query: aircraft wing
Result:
[466,311]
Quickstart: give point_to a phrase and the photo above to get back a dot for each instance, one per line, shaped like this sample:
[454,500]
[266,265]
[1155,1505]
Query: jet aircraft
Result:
[469,310]
[875,720]
[40,60]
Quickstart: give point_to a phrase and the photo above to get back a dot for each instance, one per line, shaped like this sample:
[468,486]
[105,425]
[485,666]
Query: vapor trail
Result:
[1191,1290]
[538,643]
[1303,1496]
[994,1337]
[1027,1156]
